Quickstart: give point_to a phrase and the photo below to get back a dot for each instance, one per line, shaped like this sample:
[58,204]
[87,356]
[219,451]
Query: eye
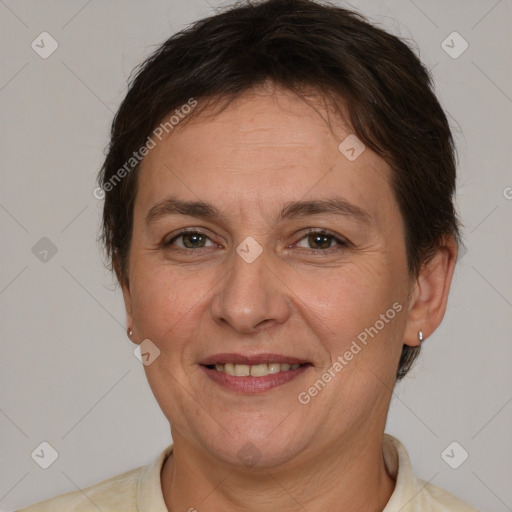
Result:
[190,240]
[316,240]
[321,240]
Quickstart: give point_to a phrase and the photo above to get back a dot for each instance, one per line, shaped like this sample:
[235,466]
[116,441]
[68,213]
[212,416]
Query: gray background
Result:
[68,375]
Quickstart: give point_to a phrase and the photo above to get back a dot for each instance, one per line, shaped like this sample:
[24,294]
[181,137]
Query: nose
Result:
[252,295]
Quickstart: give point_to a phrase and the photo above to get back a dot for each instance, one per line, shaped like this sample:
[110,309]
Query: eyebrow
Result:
[294,209]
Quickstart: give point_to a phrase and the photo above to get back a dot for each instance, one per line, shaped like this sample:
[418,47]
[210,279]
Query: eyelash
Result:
[310,231]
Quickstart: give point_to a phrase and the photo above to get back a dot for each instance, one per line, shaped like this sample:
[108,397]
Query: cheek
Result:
[359,315]
[164,303]
[351,297]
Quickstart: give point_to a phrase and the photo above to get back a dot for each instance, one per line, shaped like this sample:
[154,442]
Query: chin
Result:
[254,444]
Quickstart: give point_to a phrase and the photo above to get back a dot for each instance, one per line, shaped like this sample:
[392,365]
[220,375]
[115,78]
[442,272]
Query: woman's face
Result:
[253,281]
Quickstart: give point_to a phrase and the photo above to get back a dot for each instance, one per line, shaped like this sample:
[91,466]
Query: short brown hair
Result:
[297,44]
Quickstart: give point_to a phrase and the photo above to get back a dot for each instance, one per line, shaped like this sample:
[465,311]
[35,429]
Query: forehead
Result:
[264,146]
[278,121]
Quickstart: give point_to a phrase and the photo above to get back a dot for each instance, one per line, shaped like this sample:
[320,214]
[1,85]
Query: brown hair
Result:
[296,44]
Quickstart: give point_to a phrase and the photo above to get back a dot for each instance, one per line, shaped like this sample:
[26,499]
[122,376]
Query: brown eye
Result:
[322,241]
[190,240]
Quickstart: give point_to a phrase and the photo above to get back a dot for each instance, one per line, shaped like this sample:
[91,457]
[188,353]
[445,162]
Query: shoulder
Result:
[435,498]
[137,490]
[412,494]
[111,495]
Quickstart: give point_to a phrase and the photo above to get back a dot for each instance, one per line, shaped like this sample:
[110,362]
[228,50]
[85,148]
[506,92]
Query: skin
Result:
[267,148]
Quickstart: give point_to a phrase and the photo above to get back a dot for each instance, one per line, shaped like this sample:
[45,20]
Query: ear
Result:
[127,296]
[430,293]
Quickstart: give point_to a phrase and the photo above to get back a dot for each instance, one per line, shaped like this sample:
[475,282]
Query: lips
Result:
[254,370]
[253,359]
[252,373]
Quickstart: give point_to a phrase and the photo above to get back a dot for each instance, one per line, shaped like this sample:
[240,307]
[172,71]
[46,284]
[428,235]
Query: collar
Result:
[407,486]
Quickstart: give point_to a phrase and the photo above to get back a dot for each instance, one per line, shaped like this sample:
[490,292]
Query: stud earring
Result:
[420,336]
[129,332]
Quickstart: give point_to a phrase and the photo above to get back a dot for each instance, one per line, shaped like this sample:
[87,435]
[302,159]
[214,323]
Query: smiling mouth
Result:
[254,370]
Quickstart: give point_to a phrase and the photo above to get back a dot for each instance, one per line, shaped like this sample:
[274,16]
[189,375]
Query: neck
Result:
[348,477]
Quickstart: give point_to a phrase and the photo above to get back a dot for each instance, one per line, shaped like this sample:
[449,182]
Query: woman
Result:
[279,214]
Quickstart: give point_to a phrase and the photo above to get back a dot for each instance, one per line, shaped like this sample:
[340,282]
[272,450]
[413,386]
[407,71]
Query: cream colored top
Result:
[139,490]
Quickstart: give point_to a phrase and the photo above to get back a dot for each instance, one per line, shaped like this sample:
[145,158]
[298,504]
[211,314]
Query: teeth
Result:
[242,370]
[228,368]
[274,368]
[255,370]
[259,370]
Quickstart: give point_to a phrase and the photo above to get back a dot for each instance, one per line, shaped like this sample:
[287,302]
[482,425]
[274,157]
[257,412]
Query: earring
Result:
[420,336]
[129,332]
